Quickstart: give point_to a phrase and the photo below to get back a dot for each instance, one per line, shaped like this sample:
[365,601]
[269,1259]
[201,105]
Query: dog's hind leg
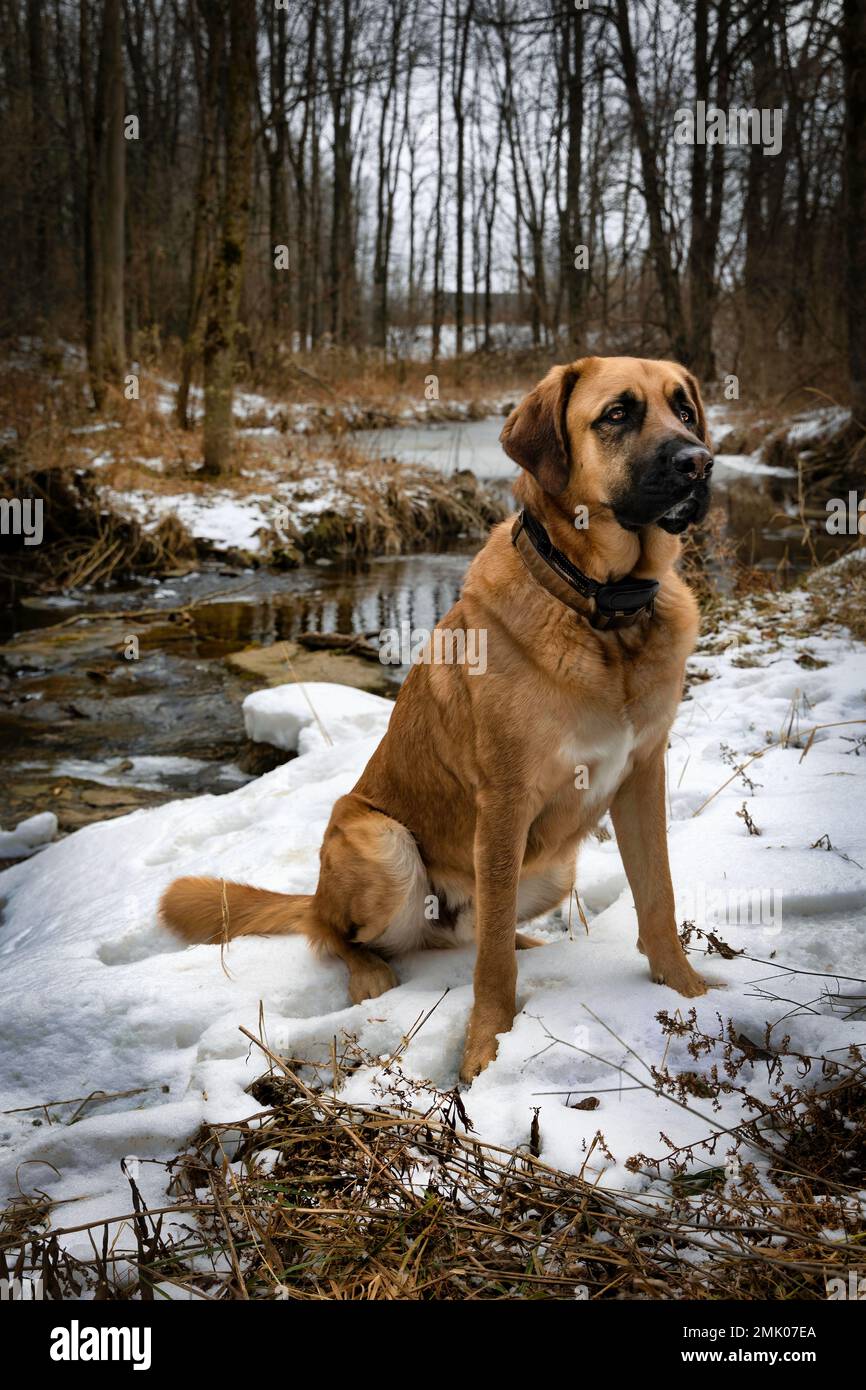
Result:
[369,900]
[371,894]
[369,974]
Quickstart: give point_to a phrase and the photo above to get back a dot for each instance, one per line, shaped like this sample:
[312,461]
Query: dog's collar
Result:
[605,606]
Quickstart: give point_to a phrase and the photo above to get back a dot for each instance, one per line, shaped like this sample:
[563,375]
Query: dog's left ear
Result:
[535,433]
[695,392]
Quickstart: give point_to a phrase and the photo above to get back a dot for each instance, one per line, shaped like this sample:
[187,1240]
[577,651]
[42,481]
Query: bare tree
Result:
[227,263]
[854,53]
[391,135]
[208,43]
[102,111]
[570,62]
[438,239]
[462,30]
[659,238]
[110,113]
[340,56]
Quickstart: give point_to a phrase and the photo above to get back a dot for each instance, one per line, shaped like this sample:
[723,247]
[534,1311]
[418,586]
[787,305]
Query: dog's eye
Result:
[615,415]
[686,415]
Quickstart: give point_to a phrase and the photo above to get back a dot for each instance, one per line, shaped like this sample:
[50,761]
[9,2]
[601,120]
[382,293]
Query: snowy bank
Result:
[311,509]
[99,999]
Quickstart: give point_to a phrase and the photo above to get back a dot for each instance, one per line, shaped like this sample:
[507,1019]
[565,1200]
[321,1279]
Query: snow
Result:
[28,836]
[250,522]
[748,464]
[313,715]
[811,425]
[225,519]
[99,998]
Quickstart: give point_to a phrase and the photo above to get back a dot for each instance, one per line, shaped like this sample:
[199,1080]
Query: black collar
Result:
[619,604]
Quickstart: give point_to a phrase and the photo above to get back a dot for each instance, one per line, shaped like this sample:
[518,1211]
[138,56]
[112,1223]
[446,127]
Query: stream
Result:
[93,724]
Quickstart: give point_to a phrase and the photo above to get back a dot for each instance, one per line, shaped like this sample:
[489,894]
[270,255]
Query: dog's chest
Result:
[596,759]
[601,732]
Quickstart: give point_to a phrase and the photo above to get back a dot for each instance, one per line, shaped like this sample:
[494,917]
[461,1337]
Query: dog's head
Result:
[620,433]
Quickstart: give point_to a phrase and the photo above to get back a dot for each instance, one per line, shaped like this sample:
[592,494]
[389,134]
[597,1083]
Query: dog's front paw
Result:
[482,1044]
[477,1054]
[678,974]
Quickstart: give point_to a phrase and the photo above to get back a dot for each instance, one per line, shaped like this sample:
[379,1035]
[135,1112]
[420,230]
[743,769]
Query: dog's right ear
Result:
[535,434]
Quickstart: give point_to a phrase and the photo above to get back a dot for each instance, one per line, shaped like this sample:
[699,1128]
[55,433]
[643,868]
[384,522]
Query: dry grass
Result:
[338,377]
[707,553]
[78,464]
[388,508]
[315,1198]
[83,542]
[838,595]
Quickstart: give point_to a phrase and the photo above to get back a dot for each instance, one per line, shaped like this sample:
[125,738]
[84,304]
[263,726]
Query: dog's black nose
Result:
[693,461]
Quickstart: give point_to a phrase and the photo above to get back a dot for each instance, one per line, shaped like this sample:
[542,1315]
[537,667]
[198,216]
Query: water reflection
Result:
[417,589]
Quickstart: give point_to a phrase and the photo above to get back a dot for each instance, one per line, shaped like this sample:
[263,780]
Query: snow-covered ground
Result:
[281,512]
[221,518]
[97,998]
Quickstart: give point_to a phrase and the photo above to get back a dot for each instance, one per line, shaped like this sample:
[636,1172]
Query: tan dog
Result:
[484,785]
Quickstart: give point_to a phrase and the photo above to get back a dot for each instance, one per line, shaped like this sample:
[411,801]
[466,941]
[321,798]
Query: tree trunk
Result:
[41,210]
[341,260]
[461,40]
[438,270]
[763,272]
[114,192]
[386,179]
[660,249]
[277,189]
[93,280]
[854,51]
[571,224]
[226,273]
[701,258]
[208,67]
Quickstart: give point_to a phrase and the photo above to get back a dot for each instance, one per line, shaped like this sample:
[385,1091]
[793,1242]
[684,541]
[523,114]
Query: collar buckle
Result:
[617,604]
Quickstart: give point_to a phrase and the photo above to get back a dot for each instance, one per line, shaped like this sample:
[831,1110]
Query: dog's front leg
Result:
[638,814]
[500,842]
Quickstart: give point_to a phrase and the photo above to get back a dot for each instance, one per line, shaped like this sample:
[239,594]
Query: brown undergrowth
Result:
[323,498]
[318,1198]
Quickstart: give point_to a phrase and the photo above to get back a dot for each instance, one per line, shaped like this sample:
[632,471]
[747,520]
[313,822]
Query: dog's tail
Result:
[213,910]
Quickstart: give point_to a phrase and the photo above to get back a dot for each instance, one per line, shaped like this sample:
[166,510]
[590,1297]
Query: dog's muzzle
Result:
[672,491]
